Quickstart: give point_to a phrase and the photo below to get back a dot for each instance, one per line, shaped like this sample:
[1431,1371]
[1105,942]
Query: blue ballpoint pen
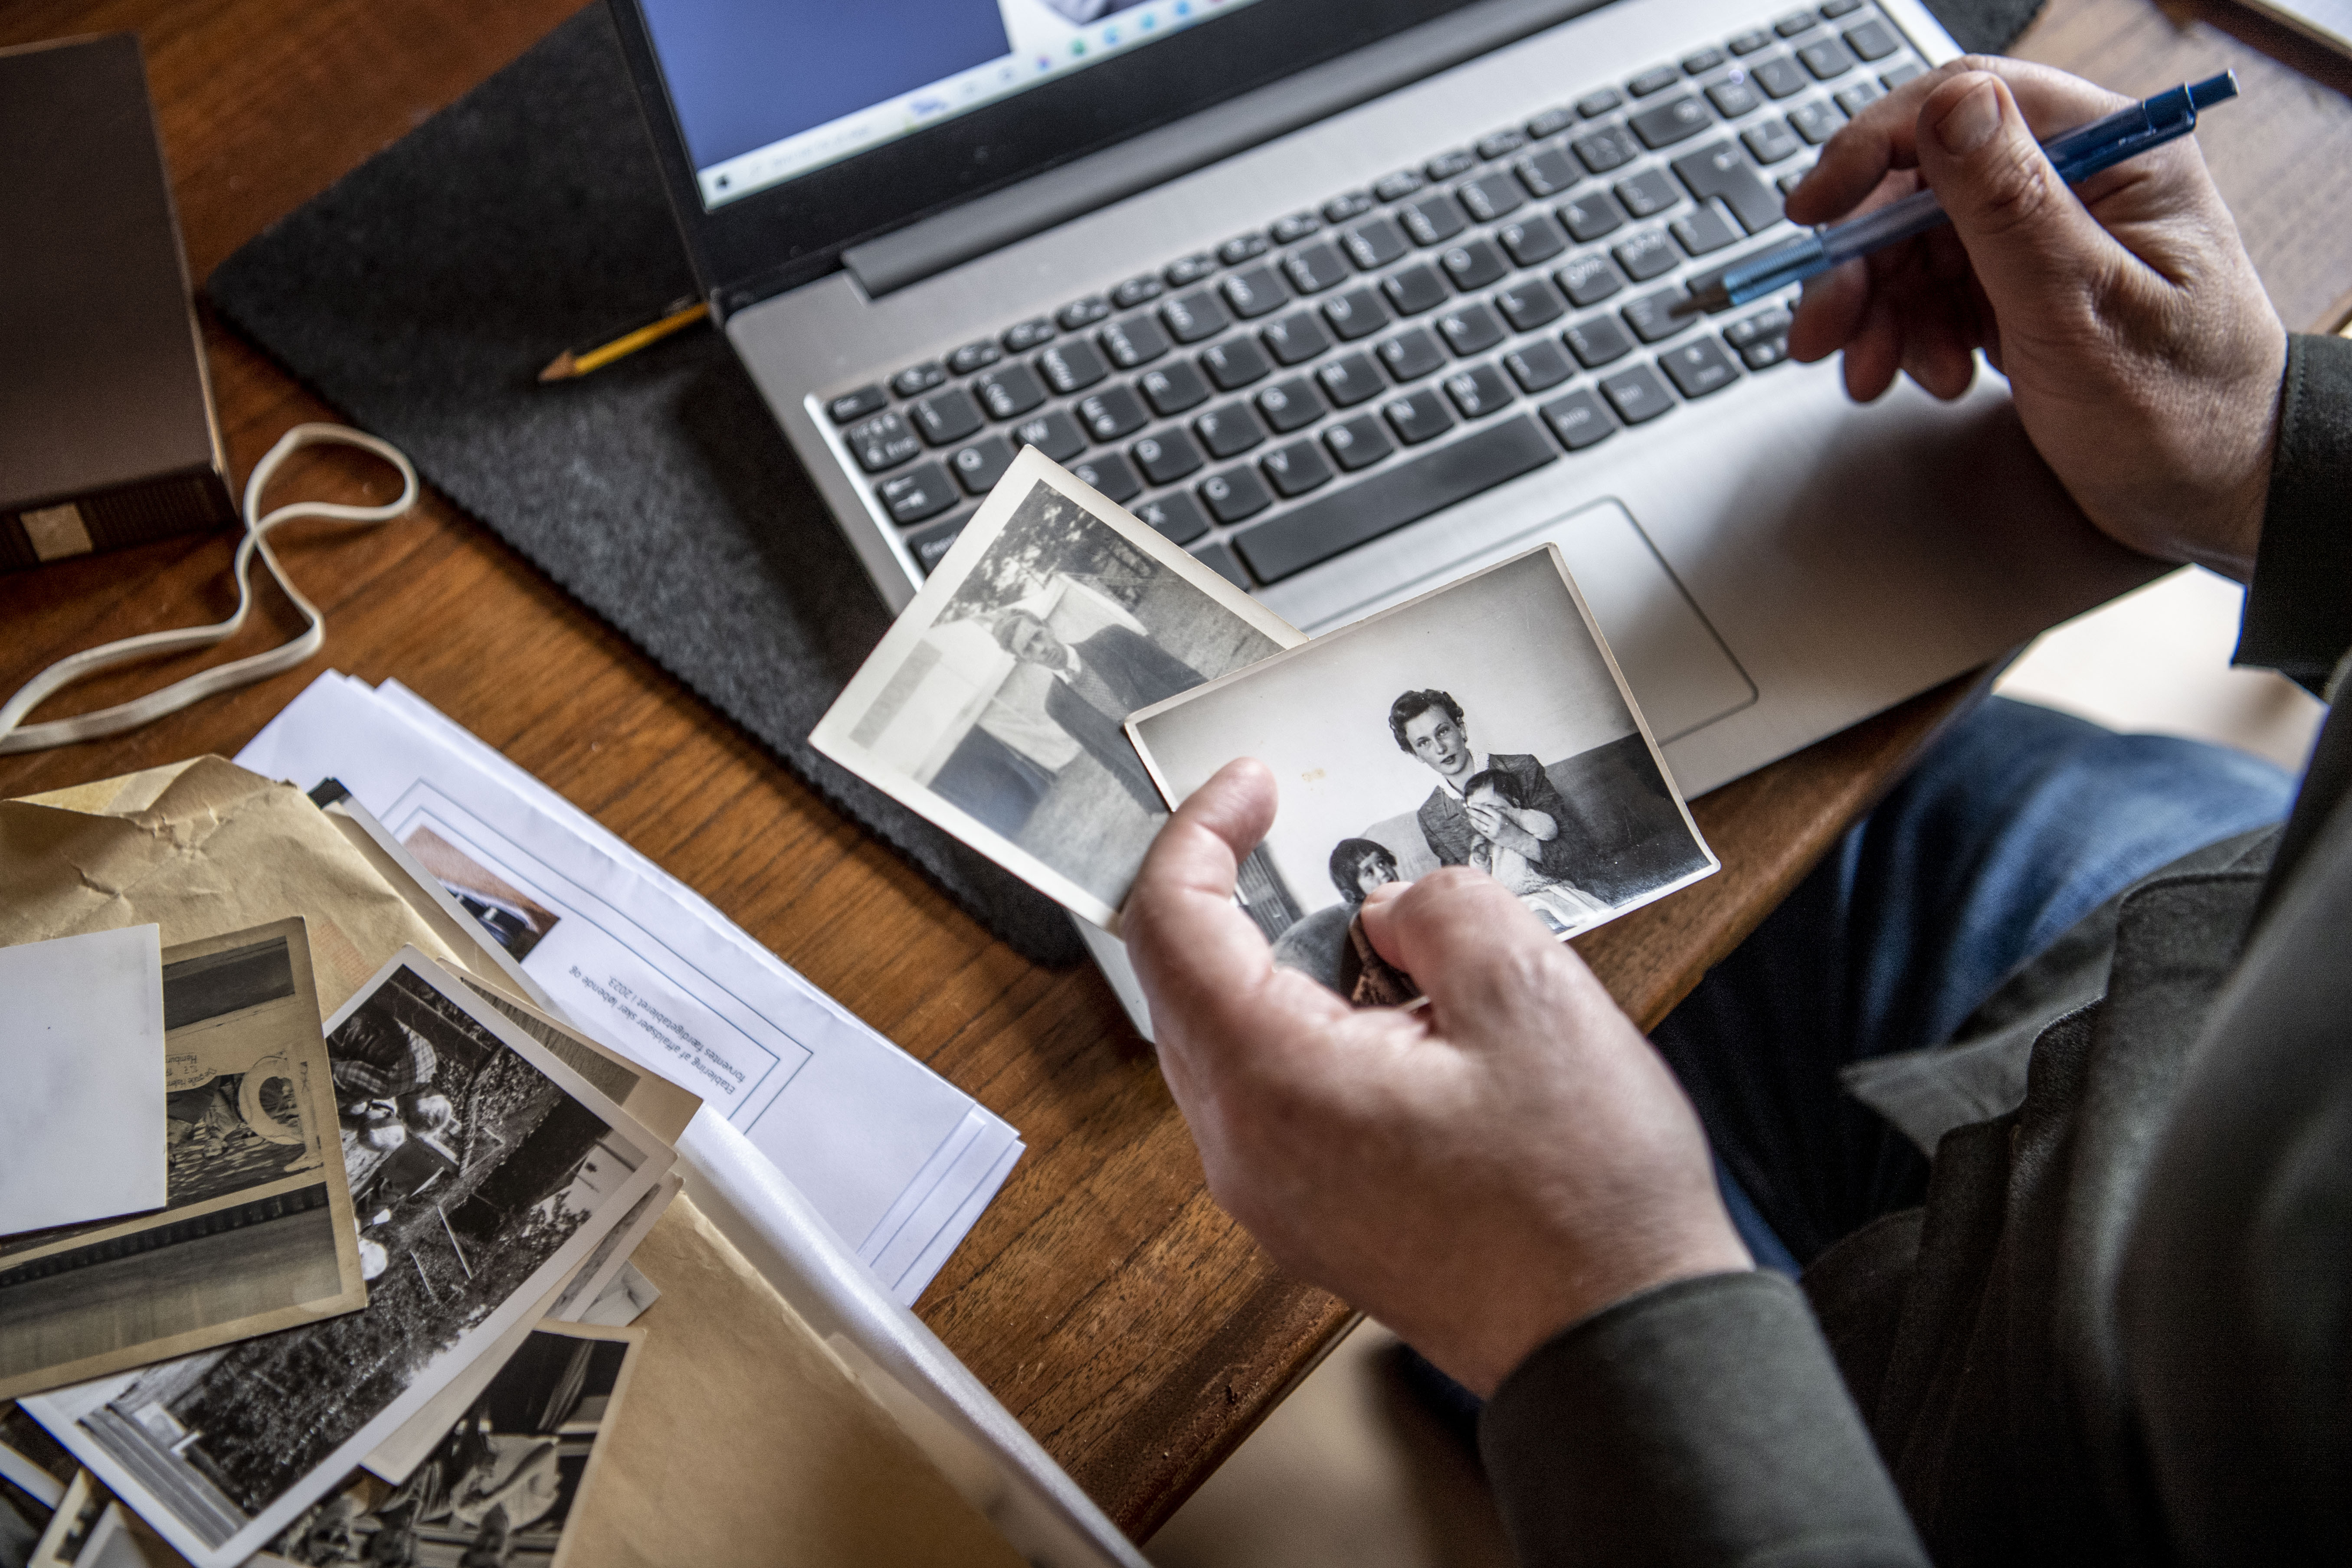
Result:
[2076,155]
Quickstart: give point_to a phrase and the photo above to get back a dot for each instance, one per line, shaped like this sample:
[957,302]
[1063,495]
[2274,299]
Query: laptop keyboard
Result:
[1308,386]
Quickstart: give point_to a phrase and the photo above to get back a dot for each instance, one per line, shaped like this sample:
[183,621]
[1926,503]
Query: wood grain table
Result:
[1107,1302]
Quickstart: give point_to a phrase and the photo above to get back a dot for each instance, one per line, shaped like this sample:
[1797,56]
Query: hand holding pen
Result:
[2141,353]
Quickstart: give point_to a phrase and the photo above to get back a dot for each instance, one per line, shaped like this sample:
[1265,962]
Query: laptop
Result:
[1351,297]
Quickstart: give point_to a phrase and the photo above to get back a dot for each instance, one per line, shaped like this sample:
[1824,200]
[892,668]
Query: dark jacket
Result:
[2120,1328]
[1445,822]
[1138,673]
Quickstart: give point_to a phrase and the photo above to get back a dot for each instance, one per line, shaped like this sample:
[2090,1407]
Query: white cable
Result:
[17,736]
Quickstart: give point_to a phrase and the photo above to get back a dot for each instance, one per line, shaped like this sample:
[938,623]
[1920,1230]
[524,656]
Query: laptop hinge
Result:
[950,238]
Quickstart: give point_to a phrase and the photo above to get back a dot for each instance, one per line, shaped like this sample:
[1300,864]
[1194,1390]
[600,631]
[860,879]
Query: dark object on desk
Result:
[107,435]
[420,294]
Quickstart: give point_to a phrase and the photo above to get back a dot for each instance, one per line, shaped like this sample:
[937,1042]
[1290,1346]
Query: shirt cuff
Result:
[2298,617]
[1701,1422]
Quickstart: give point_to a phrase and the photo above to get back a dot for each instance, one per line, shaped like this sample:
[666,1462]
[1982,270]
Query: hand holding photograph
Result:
[994,706]
[482,1171]
[1484,725]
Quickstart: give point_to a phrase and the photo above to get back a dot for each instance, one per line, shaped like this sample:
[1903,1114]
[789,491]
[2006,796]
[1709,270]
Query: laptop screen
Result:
[767,90]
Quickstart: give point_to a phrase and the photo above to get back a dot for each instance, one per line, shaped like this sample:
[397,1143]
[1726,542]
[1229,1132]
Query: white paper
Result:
[81,1050]
[888,1152]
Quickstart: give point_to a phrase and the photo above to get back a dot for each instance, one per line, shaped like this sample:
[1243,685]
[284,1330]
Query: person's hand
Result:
[1479,1173]
[2144,357]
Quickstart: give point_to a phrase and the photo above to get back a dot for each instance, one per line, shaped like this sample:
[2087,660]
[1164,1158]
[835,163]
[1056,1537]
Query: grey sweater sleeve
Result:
[1702,1421]
[2299,607]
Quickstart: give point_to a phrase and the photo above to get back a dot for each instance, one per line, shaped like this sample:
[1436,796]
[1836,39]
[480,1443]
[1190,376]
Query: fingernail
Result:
[1970,122]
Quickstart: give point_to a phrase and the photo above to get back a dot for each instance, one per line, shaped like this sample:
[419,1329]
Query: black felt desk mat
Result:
[422,292]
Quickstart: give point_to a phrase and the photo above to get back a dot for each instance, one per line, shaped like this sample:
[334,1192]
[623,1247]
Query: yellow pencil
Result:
[567,365]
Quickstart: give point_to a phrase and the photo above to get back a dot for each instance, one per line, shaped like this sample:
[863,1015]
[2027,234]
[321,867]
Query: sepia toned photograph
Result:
[482,1173]
[1484,725]
[502,1486]
[257,1231]
[994,706]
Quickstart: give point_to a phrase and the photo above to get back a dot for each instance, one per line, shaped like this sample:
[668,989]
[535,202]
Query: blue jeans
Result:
[2016,823]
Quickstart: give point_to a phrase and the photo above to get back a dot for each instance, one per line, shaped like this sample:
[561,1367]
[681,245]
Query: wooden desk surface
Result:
[1131,1326]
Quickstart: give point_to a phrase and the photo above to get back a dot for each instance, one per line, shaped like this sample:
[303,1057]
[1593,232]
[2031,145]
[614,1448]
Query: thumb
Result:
[2032,245]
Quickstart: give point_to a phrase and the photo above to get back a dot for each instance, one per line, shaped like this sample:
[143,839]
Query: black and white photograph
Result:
[503,1484]
[482,1170]
[1482,725]
[994,706]
[257,1230]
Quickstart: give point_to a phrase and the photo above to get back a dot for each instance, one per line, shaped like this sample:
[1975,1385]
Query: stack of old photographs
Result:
[334,1339]
[1067,675]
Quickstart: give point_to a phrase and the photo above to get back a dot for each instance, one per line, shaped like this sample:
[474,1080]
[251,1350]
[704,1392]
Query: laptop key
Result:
[1872,41]
[1671,121]
[1339,209]
[946,416]
[1194,316]
[1550,122]
[1647,193]
[1471,329]
[1028,335]
[1654,80]
[1241,247]
[1529,303]
[1538,365]
[856,405]
[1135,291]
[1700,367]
[1236,494]
[1815,122]
[1652,315]
[930,546]
[1417,416]
[1826,59]
[1548,172]
[1434,219]
[1578,419]
[1111,474]
[917,379]
[1832,9]
[1397,186]
[1597,341]
[1111,413]
[1176,515]
[983,463]
[1901,74]
[1374,243]
[1054,432]
[1592,215]
[1295,338]
[1794,22]
[1637,394]
[1296,226]
[1415,290]
[1473,264]
[1762,340]
[1355,314]
[918,493]
[1490,196]
[1236,362]
[1410,354]
[1706,231]
[1349,380]
[1702,62]
[882,442]
[1083,312]
[1645,256]
[1749,42]
[1533,239]
[1769,143]
[1167,456]
[1446,165]
[1605,149]
[1072,366]
[1340,519]
[1137,340]
[975,356]
[1219,558]
[1174,388]
[1734,98]
[1228,428]
[1254,291]
[1589,278]
[1478,391]
[1312,269]
[1493,146]
[1008,393]
[1189,270]
[1288,405]
[1359,442]
[1779,75]
[1594,105]
[1295,469]
[1855,99]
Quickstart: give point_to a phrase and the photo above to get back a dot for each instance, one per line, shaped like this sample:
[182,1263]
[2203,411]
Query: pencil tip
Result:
[563,367]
